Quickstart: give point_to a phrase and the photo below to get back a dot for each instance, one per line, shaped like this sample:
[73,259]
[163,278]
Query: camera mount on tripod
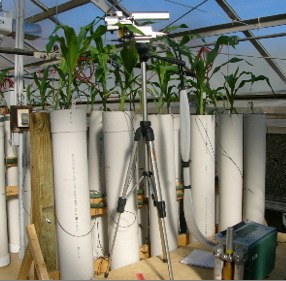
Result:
[128,28]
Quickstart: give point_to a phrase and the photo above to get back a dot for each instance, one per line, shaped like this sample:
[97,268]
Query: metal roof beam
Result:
[236,26]
[45,8]
[110,6]
[57,10]
[260,48]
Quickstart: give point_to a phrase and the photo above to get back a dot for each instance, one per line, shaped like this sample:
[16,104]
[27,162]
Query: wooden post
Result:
[33,253]
[42,186]
[25,265]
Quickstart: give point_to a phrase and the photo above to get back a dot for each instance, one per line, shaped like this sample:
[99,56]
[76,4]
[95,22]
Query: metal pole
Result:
[144,89]
[17,139]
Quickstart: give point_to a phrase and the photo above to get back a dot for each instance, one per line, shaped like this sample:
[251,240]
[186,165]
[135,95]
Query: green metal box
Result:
[259,242]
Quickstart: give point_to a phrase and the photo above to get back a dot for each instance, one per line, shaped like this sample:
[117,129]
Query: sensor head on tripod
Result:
[129,29]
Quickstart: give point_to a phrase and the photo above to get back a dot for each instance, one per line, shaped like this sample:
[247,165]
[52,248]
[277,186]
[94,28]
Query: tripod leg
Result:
[161,210]
[151,185]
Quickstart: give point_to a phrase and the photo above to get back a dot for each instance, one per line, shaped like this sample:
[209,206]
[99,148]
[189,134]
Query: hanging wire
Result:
[74,235]
[208,12]
[192,9]
[203,131]
[252,56]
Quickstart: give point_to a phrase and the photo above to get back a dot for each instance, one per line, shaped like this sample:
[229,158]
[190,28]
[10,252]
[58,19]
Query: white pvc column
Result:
[254,167]
[9,97]
[69,141]
[176,119]
[178,171]
[27,182]
[163,128]
[4,253]
[202,168]
[97,182]
[12,180]
[118,143]
[230,171]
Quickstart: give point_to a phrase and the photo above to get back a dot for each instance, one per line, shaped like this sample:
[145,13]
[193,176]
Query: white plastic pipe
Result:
[176,119]
[4,253]
[69,142]
[9,97]
[230,171]
[27,182]
[118,143]
[21,195]
[97,182]
[254,167]
[178,171]
[163,128]
[12,201]
[203,172]
[185,146]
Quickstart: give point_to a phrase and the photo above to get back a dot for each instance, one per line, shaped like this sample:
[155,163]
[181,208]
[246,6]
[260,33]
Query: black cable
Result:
[194,8]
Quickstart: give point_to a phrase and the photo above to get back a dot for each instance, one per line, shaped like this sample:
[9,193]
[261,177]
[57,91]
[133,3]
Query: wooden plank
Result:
[144,252]
[42,186]
[12,190]
[183,239]
[98,211]
[97,206]
[55,275]
[25,265]
[36,252]
[101,265]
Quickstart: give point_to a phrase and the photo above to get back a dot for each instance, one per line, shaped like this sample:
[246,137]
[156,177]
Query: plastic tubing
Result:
[185,138]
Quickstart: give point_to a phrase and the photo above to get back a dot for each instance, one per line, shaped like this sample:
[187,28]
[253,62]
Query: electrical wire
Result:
[252,56]
[203,131]
[243,55]
[210,13]
[192,9]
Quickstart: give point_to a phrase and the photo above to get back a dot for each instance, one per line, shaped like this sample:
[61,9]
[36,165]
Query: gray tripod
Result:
[145,132]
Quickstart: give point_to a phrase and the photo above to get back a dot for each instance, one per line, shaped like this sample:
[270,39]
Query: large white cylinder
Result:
[163,128]
[27,182]
[254,167]
[178,171]
[118,144]
[230,171]
[68,129]
[12,180]
[97,182]
[4,253]
[202,168]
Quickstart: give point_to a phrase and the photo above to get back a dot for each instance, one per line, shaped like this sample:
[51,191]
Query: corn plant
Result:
[101,55]
[43,89]
[72,48]
[164,88]
[235,81]
[124,64]
[3,80]
[168,69]
[201,66]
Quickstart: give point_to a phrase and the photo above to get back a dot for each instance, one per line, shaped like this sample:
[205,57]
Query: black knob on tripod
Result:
[143,51]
